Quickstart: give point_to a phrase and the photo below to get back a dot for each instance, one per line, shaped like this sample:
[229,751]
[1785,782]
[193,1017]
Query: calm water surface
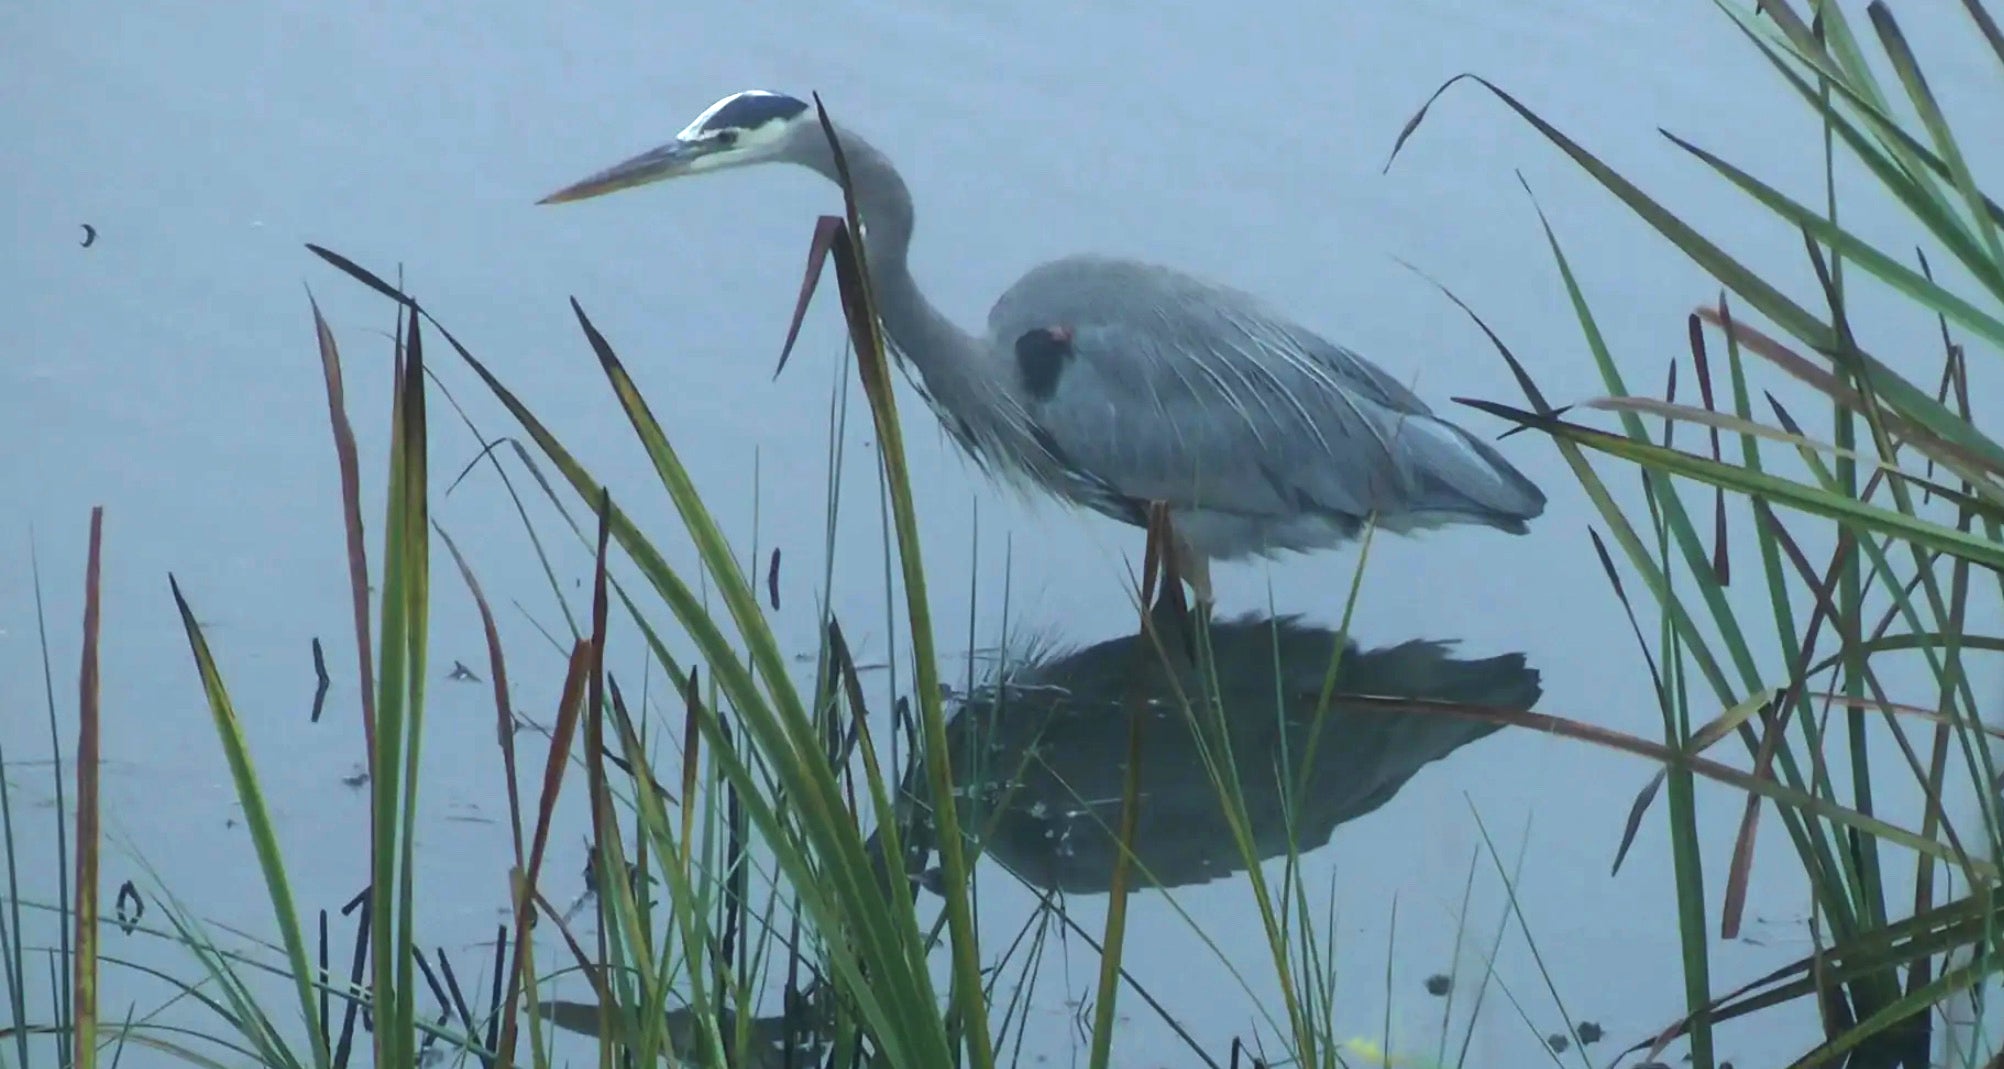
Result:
[168,373]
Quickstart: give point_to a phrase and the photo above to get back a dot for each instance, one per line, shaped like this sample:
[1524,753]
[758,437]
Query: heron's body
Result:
[1260,435]
[1112,383]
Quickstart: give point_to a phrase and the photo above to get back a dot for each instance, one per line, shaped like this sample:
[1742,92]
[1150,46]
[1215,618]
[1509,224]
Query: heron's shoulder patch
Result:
[1041,357]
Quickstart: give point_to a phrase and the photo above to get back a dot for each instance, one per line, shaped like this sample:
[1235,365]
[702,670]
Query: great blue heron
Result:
[1112,383]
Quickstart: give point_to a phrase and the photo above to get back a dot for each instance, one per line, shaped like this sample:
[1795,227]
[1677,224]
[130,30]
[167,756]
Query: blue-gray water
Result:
[168,373]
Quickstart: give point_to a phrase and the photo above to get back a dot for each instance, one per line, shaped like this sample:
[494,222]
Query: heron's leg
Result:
[1200,580]
[1195,568]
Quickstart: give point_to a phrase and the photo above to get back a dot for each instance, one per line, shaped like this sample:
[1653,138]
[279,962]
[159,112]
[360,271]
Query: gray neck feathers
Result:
[958,378]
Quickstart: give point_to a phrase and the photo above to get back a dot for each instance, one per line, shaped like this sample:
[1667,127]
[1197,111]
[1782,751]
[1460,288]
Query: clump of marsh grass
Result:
[768,775]
[1910,490]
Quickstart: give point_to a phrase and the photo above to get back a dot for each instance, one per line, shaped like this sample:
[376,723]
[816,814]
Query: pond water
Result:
[167,371]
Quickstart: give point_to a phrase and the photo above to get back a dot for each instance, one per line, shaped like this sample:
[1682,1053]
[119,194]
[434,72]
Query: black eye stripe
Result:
[749,111]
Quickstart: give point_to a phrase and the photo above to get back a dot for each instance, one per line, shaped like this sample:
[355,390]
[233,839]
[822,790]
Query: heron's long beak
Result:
[668,161]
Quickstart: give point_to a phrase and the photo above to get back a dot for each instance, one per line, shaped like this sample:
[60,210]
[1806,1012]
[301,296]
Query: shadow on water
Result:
[1039,752]
[1043,749]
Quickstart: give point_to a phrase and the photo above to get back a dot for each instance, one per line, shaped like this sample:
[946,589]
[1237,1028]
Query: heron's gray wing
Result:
[1174,389]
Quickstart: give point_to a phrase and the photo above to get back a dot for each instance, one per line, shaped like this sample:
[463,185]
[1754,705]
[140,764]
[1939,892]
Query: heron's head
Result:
[755,126]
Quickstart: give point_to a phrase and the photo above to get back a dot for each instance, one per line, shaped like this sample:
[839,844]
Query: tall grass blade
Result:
[1909,282]
[523,884]
[1929,109]
[852,276]
[89,840]
[1986,25]
[497,671]
[1116,905]
[347,459]
[1866,518]
[257,821]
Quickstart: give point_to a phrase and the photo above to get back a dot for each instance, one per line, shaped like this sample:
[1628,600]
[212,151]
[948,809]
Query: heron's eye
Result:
[725,138]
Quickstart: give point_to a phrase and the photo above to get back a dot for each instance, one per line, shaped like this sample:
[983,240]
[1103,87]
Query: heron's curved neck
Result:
[944,354]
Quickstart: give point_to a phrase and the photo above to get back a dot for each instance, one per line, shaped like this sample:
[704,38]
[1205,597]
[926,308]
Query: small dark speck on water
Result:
[462,674]
[90,235]
[1589,1032]
[1558,1042]
[1438,984]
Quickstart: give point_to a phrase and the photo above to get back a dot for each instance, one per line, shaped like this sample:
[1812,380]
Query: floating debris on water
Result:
[322,681]
[130,907]
[1370,1053]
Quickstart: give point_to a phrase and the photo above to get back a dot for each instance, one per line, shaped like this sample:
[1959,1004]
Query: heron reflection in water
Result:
[1111,383]
[1038,759]
[1039,755]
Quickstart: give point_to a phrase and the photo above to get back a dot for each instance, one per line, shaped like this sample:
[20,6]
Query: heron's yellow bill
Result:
[653,165]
